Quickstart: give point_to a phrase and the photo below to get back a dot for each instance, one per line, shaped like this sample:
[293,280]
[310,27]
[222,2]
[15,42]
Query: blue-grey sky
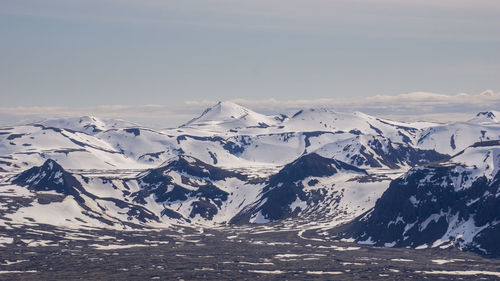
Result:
[162,52]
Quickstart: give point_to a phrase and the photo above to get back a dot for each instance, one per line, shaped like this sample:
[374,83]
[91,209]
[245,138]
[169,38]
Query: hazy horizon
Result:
[417,106]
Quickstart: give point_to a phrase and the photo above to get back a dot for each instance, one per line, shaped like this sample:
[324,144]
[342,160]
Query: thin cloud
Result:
[404,107]
[409,100]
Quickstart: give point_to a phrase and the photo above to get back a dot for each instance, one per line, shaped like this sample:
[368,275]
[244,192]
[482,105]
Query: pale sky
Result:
[88,53]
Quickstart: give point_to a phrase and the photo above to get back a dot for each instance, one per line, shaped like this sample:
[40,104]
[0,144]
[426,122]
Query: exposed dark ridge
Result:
[488,114]
[476,144]
[405,138]
[50,176]
[204,208]
[452,142]
[377,130]
[198,168]
[135,131]
[157,182]
[401,217]
[151,155]
[308,135]
[261,125]
[58,130]
[311,165]
[281,117]
[297,113]
[422,138]
[212,139]
[234,148]
[93,127]
[171,214]
[356,132]
[398,154]
[15,136]
[486,143]
[285,187]
[190,166]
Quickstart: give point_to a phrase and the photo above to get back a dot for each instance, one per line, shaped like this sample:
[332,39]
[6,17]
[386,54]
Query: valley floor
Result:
[46,252]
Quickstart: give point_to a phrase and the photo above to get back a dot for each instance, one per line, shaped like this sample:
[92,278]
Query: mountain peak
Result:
[51,165]
[226,111]
[230,109]
[490,116]
[49,176]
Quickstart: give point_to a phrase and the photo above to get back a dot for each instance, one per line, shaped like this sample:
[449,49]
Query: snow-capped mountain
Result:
[232,165]
[226,116]
[188,189]
[28,145]
[70,200]
[299,189]
[87,124]
[49,176]
[486,117]
[453,202]
[183,190]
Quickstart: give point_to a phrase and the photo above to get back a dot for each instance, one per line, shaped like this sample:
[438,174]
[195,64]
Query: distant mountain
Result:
[87,124]
[230,116]
[230,135]
[486,117]
[357,123]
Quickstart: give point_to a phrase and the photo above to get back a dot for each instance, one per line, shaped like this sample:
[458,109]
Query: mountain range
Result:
[388,183]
